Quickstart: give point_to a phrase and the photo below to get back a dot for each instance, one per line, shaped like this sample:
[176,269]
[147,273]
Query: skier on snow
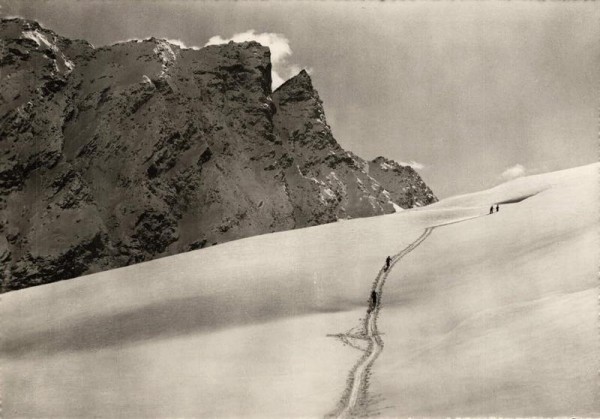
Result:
[373,299]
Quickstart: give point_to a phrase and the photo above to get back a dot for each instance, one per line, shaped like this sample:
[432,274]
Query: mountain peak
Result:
[303,75]
[300,80]
[26,23]
[194,146]
[16,26]
[388,164]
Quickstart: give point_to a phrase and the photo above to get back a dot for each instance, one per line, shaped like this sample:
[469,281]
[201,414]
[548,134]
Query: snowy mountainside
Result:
[491,315]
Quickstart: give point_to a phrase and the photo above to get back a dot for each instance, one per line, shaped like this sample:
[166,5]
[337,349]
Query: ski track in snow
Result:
[353,401]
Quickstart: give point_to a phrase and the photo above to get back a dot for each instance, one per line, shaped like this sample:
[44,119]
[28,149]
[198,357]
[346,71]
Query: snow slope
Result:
[495,315]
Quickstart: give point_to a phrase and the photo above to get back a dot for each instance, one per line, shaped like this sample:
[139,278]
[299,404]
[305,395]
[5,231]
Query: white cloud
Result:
[513,172]
[280,52]
[414,164]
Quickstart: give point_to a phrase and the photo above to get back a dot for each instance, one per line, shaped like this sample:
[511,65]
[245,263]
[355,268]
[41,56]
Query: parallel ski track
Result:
[358,379]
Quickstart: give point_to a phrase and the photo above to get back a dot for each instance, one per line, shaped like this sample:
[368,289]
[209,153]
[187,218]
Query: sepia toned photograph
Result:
[299,209]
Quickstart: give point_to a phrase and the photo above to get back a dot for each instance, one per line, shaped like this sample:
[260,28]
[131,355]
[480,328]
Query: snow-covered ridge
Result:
[385,166]
[174,42]
[523,187]
[166,54]
[42,41]
[500,295]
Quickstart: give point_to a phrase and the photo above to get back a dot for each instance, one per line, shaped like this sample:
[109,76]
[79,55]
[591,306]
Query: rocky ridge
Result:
[120,154]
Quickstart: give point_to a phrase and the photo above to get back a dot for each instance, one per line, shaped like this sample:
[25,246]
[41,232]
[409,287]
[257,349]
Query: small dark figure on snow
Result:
[388,260]
[492,209]
[373,299]
[497,207]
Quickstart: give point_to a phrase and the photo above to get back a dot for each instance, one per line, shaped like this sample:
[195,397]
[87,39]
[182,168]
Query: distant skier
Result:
[388,260]
[492,209]
[497,207]
[373,299]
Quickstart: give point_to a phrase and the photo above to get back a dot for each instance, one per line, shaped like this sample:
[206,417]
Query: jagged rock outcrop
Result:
[120,154]
[405,186]
[324,181]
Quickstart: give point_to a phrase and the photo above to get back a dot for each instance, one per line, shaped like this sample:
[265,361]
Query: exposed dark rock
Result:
[125,153]
[405,186]
[77,260]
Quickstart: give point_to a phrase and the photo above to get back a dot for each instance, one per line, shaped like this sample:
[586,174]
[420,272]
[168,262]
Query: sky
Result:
[471,94]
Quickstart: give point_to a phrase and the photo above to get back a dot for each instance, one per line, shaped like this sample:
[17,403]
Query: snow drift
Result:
[494,315]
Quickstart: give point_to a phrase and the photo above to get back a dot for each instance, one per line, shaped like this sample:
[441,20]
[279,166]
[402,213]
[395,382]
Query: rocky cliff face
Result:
[115,155]
[324,181]
[405,186]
